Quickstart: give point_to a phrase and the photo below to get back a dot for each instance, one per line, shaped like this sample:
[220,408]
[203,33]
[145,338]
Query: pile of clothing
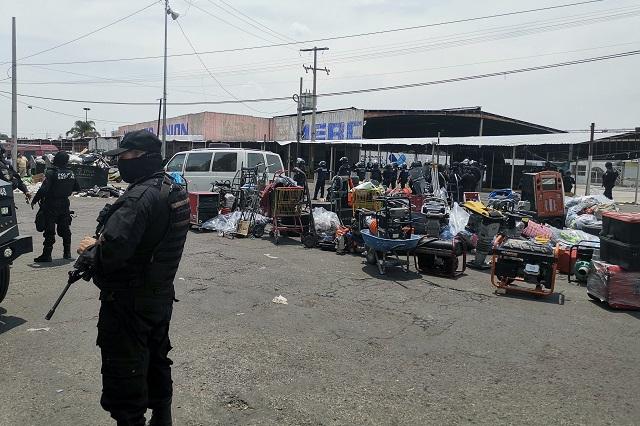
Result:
[586,212]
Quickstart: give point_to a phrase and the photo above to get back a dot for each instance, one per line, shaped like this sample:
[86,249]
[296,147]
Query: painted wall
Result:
[332,125]
[211,126]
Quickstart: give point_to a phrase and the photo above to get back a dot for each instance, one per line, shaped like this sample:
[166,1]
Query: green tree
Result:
[3,137]
[82,129]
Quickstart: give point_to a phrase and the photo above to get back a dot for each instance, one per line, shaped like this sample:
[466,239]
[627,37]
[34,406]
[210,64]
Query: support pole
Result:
[164,87]
[379,157]
[14,95]
[299,121]
[332,156]
[588,187]
[637,178]
[513,164]
[493,160]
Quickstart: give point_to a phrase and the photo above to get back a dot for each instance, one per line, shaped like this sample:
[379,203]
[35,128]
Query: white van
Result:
[202,167]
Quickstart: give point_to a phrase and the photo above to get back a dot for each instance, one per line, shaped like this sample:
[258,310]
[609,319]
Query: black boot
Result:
[45,256]
[67,252]
[161,416]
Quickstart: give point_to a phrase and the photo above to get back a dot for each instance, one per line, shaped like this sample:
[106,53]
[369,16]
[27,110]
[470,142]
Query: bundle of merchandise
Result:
[616,279]
[585,213]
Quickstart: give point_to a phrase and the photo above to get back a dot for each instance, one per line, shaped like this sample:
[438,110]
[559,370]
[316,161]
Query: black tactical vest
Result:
[165,259]
[63,184]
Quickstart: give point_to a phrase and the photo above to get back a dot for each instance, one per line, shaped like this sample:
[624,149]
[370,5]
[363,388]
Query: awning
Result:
[506,141]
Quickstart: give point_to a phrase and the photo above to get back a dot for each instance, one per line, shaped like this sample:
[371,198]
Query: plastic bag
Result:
[570,237]
[458,218]
[223,223]
[325,220]
[586,220]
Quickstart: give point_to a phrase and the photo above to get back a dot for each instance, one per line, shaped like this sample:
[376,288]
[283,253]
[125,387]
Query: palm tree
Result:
[83,129]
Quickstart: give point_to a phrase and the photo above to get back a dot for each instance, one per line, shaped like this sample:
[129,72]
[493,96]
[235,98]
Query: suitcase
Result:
[623,227]
[612,284]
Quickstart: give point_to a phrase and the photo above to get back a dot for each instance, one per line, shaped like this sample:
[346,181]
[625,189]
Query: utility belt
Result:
[135,289]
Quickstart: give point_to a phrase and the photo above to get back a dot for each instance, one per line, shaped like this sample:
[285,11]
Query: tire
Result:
[309,241]
[5,276]
[258,231]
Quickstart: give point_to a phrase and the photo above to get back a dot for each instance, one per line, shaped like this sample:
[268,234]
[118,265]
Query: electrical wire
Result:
[86,34]
[358,91]
[211,74]
[276,33]
[29,105]
[340,37]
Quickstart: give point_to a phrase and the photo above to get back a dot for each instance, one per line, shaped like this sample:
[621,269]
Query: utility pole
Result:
[164,88]
[14,94]
[298,122]
[315,99]
[159,115]
[586,191]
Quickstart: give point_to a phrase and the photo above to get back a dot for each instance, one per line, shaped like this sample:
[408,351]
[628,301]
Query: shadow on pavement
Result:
[554,299]
[55,262]
[606,307]
[7,322]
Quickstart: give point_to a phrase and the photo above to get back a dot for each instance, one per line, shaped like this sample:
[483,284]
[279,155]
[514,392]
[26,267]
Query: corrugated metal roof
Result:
[507,141]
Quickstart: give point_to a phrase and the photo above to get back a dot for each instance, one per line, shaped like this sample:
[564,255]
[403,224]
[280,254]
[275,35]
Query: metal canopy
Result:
[505,141]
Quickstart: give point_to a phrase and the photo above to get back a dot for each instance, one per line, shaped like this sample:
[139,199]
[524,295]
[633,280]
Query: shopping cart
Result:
[291,213]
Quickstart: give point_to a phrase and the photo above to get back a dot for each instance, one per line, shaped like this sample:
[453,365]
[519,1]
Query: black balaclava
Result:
[136,168]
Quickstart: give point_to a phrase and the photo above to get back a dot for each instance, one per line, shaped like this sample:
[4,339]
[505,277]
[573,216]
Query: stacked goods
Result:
[612,284]
[620,240]
[616,279]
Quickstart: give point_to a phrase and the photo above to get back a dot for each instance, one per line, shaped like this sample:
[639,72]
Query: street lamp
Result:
[86,112]
[174,15]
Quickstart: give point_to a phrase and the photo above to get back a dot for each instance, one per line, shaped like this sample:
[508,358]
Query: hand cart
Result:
[291,204]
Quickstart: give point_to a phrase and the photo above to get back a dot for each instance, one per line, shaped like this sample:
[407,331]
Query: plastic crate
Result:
[627,256]
[623,227]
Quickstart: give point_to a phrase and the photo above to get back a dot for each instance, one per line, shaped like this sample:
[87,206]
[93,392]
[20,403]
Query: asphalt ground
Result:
[351,347]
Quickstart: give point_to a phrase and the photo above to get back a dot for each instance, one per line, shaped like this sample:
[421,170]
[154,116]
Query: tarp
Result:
[506,141]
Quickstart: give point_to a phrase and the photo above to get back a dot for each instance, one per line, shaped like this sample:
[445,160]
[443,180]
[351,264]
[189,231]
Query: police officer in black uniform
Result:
[343,167]
[403,176]
[298,172]
[8,174]
[134,262]
[58,185]
[376,174]
[322,174]
[361,170]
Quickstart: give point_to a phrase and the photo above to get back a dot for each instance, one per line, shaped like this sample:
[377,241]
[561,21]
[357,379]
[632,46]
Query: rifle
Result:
[83,267]
[80,271]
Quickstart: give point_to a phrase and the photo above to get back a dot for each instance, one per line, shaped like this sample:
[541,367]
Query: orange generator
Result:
[545,193]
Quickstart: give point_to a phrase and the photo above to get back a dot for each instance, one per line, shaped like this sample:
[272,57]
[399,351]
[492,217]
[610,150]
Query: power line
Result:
[226,22]
[62,113]
[86,34]
[210,73]
[280,35]
[357,91]
[341,37]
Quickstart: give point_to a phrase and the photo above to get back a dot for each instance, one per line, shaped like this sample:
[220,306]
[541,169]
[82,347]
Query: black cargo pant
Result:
[319,188]
[133,336]
[57,216]
[608,192]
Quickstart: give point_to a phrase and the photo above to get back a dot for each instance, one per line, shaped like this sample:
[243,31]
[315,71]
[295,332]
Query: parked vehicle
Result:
[12,244]
[201,167]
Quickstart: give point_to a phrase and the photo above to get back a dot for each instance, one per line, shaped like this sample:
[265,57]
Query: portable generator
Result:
[435,214]
[394,217]
[440,257]
[583,256]
[524,266]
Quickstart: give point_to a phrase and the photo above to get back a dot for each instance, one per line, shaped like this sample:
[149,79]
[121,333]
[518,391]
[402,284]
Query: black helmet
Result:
[403,166]
[344,160]
[300,162]
[360,164]
[322,164]
[388,166]
[608,165]
[416,164]
[61,159]
[375,165]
